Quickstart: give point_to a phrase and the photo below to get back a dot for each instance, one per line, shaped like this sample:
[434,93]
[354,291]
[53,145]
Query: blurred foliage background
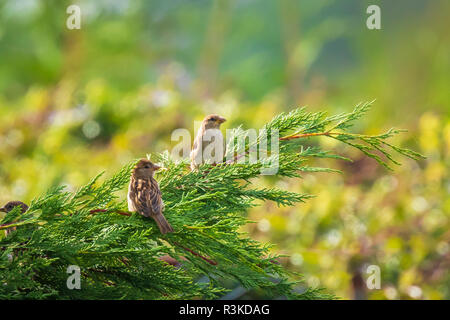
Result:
[76,102]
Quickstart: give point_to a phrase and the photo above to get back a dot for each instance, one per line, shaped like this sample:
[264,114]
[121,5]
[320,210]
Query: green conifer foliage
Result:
[118,252]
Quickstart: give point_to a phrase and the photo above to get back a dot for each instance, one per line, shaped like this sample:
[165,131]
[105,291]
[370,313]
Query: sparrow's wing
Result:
[198,138]
[147,197]
[155,197]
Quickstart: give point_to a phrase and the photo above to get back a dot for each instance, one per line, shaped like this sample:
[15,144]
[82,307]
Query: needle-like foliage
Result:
[119,253]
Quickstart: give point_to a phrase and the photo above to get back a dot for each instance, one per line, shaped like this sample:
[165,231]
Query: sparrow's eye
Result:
[9,206]
[147,166]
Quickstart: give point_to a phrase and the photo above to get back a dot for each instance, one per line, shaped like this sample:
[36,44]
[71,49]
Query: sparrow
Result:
[8,207]
[213,121]
[144,195]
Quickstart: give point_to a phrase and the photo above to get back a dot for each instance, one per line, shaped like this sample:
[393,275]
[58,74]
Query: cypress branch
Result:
[120,253]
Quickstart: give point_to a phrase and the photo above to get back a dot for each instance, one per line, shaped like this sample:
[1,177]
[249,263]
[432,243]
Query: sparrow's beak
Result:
[157,168]
[221,120]
[2,209]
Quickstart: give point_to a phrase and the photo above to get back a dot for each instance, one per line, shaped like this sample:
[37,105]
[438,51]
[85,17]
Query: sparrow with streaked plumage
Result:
[211,122]
[9,207]
[144,195]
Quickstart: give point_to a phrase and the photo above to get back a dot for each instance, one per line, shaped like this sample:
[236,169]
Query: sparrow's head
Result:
[213,121]
[145,169]
[12,204]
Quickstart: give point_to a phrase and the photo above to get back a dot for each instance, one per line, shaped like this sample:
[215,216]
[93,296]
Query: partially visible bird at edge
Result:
[9,207]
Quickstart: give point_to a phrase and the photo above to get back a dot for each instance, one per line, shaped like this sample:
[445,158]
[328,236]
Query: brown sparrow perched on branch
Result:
[210,128]
[8,207]
[144,195]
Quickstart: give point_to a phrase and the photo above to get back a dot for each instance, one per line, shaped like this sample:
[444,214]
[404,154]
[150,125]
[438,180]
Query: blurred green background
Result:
[76,102]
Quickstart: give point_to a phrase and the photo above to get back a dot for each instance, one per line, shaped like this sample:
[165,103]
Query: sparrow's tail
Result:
[163,224]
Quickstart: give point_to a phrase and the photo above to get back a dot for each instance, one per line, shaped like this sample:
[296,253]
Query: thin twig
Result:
[212,262]
[104,210]
[305,135]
